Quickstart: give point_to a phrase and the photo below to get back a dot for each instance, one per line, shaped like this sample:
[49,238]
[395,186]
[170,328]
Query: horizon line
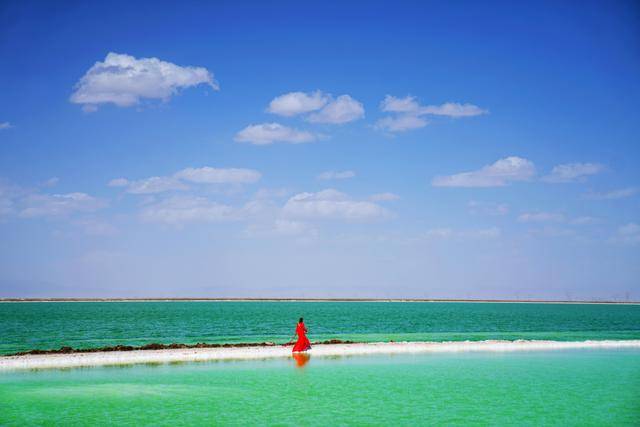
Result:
[293,299]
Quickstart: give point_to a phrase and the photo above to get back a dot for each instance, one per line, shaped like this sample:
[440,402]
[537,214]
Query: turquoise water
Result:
[25,326]
[564,388]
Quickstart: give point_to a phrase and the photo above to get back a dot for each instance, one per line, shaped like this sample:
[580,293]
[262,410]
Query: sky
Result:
[325,149]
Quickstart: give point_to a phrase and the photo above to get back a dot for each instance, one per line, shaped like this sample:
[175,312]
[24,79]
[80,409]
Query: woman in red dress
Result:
[303,343]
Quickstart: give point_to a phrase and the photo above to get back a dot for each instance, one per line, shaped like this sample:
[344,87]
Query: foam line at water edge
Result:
[248,353]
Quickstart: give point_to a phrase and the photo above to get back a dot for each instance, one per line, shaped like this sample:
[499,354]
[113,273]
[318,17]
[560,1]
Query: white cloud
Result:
[336,175]
[325,108]
[572,172]
[186,209]
[410,105]
[294,103]
[203,175]
[453,109]
[628,234]
[498,174]
[408,113]
[391,104]
[124,80]
[613,195]
[400,123]
[268,133]
[209,175]
[343,109]
[384,197]
[332,204]
[57,205]
[541,217]
[488,208]
[5,125]
[155,184]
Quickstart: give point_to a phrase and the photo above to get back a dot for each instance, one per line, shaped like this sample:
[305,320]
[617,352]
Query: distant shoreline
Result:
[525,301]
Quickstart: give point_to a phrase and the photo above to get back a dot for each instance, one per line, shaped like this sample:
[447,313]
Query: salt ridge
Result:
[74,360]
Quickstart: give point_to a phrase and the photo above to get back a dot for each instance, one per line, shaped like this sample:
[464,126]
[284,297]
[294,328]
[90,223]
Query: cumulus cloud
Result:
[324,108]
[328,175]
[384,197]
[209,175]
[613,195]
[407,113]
[124,80]
[409,104]
[58,205]
[401,123]
[268,133]
[203,175]
[155,184]
[294,103]
[498,174]
[186,209]
[391,104]
[453,109]
[332,205]
[572,172]
[5,125]
[540,217]
[341,110]
[628,234]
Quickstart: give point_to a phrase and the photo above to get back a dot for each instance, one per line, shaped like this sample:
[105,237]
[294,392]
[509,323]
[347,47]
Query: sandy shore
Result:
[321,350]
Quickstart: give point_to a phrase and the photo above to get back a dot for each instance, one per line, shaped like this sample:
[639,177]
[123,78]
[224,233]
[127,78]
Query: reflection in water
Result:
[301,359]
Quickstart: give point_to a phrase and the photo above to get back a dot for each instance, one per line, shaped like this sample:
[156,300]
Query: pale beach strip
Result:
[108,358]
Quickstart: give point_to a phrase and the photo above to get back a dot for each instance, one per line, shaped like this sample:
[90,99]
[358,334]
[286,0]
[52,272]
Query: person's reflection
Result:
[301,359]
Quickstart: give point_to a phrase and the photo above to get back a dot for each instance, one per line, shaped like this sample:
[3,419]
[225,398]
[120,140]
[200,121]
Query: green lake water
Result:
[563,388]
[25,326]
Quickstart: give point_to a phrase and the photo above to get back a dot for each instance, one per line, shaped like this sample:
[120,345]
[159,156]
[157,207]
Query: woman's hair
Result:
[300,321]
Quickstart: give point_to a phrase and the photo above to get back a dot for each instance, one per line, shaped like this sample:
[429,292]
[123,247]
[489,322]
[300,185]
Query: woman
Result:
[303,343]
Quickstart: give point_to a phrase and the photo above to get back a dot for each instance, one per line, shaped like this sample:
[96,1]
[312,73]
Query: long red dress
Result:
[303,343]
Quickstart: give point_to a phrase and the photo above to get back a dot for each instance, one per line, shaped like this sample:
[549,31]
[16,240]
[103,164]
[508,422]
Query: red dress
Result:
[303,343]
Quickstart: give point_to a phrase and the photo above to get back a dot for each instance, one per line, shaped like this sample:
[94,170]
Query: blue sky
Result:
[397,149]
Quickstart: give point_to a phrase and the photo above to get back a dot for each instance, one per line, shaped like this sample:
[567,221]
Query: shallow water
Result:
[579,387]
[25,326]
